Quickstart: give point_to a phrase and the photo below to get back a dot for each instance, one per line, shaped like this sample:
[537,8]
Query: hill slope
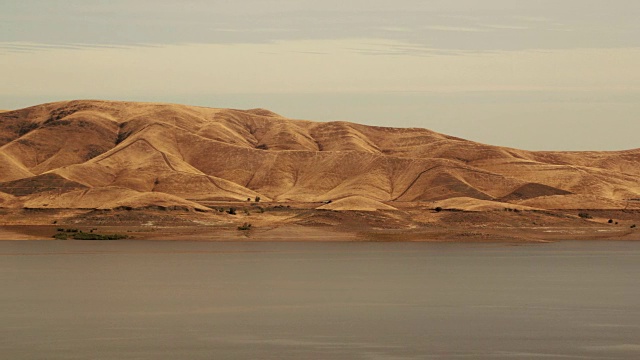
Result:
[103,154]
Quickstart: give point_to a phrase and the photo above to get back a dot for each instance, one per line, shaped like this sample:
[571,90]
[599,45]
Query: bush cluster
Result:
[75,234]
[585,215]
[94,236]
[245,226]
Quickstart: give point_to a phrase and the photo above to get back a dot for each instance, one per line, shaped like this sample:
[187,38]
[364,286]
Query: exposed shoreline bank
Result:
[290,224]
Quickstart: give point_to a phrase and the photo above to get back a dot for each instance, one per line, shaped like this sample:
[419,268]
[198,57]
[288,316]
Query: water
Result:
[193,300]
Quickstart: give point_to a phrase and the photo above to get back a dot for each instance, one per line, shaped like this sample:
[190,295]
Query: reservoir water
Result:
[198,300]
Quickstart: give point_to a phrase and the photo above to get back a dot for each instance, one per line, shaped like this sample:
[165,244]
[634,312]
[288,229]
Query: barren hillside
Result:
[102,154]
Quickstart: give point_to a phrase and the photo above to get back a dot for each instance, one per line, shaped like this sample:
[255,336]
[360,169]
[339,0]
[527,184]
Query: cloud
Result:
[395,29]
[454,28]
[490,25]
[505,27]
[533,19]
[27,47]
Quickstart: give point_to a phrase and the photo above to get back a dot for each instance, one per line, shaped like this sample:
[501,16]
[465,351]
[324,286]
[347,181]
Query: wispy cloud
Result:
[396,29]
[254,30]
[505,27]
[455,28]
[460,17]
[534,19]
[35,47]
[470,25]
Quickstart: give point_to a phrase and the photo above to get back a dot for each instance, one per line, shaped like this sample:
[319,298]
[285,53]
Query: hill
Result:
[106,154]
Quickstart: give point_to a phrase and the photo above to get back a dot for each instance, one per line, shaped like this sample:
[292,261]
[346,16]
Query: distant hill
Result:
[105,154]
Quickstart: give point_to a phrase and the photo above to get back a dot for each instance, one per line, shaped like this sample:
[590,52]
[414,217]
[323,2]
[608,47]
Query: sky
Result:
[535,74]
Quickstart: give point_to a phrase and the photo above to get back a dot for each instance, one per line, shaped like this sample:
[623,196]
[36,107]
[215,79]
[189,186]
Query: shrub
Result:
[585,215]
[26,127]
[60,236]
[438,209]
[633,226]
[122,135]
[93,236]
[231,211]
[610,221]
[245,226]
[257,198]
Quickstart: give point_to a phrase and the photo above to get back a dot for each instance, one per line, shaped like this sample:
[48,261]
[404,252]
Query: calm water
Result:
[179,300]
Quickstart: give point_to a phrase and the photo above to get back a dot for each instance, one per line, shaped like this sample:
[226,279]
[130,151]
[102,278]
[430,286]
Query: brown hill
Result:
[103,154]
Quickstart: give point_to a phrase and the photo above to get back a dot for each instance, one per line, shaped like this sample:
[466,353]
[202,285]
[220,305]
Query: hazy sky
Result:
[561,74]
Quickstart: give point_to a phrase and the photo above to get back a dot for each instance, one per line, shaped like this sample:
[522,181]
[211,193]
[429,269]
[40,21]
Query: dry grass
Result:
[107,154]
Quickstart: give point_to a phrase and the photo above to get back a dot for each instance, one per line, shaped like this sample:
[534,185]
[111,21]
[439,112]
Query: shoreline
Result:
[410,224]
[314,234]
